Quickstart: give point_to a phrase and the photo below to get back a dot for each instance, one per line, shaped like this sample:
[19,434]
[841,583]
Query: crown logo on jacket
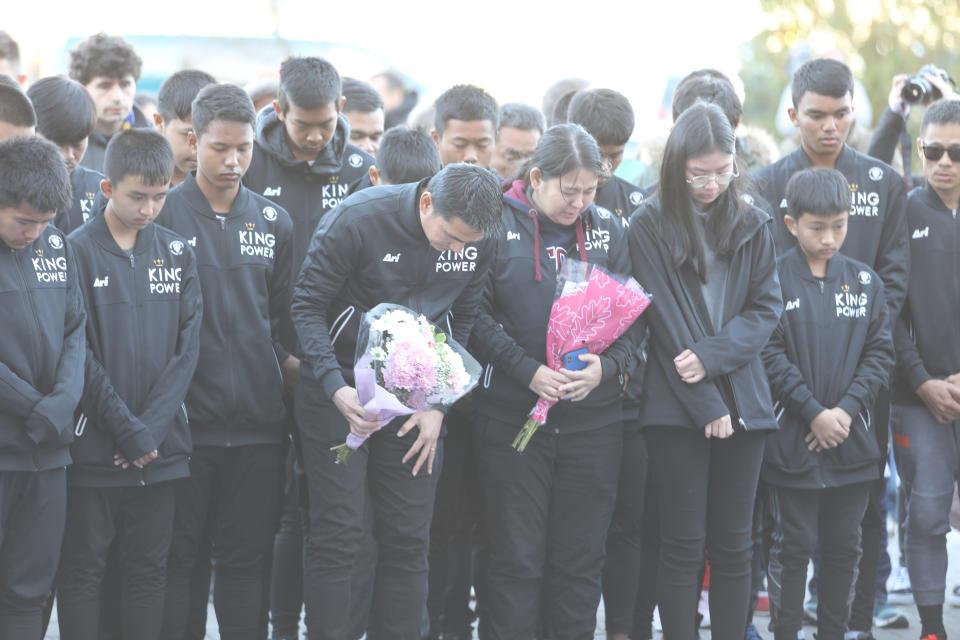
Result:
[854,187]
[39,252]
[158,262]
[251,226]
[845,288]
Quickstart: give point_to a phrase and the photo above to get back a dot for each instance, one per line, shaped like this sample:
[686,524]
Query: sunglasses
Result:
[934,152]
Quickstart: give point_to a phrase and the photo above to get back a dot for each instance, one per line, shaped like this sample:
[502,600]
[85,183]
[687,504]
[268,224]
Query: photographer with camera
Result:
[923,88]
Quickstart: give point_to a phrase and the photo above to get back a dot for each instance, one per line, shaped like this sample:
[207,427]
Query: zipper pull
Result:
[820,283]
[131,261]
[223,223]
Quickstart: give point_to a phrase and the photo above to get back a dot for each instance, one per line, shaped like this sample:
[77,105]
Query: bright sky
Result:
[513,49]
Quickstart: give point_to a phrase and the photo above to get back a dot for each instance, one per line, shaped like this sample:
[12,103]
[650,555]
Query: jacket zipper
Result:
[137,314]
[33,310]
[224,244]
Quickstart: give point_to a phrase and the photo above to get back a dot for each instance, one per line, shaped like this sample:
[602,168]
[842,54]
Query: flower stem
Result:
[523,438]
[343,453]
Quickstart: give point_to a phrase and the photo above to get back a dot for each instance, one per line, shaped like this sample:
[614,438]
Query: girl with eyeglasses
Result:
[707,257]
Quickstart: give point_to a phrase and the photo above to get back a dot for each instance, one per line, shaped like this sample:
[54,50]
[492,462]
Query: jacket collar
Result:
[932,199]
[198,201]
[798,264]
[101,233]
[272,139]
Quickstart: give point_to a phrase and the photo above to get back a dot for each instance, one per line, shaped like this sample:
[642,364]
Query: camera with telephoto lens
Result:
[919,90]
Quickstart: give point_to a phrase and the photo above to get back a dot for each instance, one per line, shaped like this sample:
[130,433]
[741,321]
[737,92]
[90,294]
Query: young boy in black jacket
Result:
[925,416]
[235,400]
[41,377]
[172,119]
[826,362]
[144,310]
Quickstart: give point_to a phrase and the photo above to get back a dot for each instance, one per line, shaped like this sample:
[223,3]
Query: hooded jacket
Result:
[372,249]
[832,348]
[97,143]
[927,333]
[87,199]
[877,228]
[736,383]
[243,259]
[42,354]
[143,335]
[511,330]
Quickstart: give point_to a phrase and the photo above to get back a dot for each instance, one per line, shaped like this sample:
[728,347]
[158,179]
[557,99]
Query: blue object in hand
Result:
[572,361]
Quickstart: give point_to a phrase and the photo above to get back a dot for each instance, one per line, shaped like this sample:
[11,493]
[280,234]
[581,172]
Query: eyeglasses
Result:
[934,152]
[722,179]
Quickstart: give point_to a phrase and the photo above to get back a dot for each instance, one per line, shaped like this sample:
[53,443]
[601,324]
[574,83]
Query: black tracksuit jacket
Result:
[877,229]
[143,340]
[619,197]
[243,259]
[832,348]
[927,333]
[87,199]
[372,249]
[511,331]
[736,383]
[42,354]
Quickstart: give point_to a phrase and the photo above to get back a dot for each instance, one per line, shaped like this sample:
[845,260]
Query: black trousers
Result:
[140,521]
[546,512]
[33,509]
[621,570]
[707,488]
[286,583]
[799,516]
[234,495]
[402,506]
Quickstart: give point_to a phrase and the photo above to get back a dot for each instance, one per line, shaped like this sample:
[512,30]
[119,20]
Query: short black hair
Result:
[15,107]
[605,114]
[521,116]
[707,85]
[557,90]
[175,98]
[139,152]
[820,192]
[34,173]
[308,83]
[407,155]
[103,55]
[941,112]
[10,50]
[467,103]
[221,101]
[10,81]
[562,149]
[468,192]
[822,76]
[65,111]
[561,109]
[360,96]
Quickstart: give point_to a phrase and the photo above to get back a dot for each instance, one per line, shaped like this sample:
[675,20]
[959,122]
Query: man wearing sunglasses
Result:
[877,235]
[926,404]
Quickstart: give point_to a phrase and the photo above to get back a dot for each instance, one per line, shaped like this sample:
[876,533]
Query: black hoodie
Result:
[243,258]
[736,383]
[87,199]
[832,348]
[877,229]
[144,311]
[511,332]
[927,333]
[372,249]
[42,353]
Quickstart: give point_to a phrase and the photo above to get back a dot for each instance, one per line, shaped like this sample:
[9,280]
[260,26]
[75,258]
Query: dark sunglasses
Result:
[934,152]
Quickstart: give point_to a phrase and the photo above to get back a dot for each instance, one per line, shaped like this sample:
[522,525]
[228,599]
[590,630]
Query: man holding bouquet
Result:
[422,245]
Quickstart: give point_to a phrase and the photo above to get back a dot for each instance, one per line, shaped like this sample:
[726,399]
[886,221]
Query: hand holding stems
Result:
[582,382]
[942,398]
[546,383]
[139,463]
[362,422]
[689,367]
[829,429]
[425,445]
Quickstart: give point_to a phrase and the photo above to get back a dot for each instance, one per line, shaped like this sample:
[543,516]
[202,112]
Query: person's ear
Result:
[426,204]
[436,137]
[107,188]
[791,223]
[793,116]
[374,176]
[920,148]
[276,107]
[158,122]
[194,142]
[343,101]
[536,178]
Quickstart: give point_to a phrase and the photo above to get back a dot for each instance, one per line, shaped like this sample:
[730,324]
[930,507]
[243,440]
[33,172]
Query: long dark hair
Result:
[562,149]
[701,129]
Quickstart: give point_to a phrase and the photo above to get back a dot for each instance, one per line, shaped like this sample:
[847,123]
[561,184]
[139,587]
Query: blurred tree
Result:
[877,38]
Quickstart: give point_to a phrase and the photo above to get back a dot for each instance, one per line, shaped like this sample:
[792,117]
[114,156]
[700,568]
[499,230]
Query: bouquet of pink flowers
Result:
[405,365]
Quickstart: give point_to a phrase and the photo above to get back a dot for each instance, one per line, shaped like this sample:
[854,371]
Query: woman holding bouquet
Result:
[707,258]
[547,511]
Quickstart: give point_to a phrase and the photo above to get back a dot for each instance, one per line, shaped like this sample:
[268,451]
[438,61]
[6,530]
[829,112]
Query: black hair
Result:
[468,192]
[393,79]
[175,98]
[707,85]
[65,111]
[562,149]
[822,76]
[561,109]
[407,155]
[34,173]
[360,96]
[139,152]
[701,129]
[10,50]
[820,192]
[556,91]
[103,55]
[467,103]
[605,114]
[15,107]
[941,112]
[308,83]
[521,116]
[221,101]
